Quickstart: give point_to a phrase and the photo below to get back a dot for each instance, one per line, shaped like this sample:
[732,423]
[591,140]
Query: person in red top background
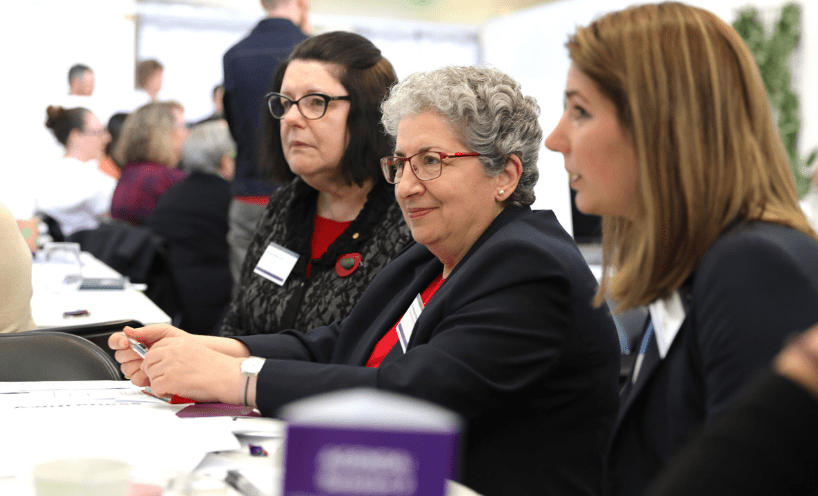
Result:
[150,146]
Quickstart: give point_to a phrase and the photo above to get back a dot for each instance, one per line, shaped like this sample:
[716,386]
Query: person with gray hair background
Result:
[192,218]
[507,337]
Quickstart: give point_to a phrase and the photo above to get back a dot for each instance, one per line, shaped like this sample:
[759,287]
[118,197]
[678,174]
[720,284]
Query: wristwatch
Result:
[250,368]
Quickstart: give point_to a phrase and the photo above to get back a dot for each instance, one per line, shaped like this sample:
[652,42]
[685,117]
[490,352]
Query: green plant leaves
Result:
[772,53]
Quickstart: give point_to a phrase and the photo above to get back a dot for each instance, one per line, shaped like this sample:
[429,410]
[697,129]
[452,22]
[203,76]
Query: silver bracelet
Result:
[246,387]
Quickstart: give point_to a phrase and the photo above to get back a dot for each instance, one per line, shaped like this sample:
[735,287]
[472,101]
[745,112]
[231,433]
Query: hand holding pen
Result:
[132,345]
[174,362]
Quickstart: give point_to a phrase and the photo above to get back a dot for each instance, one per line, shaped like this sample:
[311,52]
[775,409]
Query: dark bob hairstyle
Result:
[367,77]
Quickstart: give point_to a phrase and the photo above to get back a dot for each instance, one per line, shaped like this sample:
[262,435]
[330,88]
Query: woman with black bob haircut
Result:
[335,212]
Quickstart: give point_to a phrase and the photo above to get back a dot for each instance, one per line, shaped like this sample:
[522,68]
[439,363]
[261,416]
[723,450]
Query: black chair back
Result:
[53,356]
[98,333]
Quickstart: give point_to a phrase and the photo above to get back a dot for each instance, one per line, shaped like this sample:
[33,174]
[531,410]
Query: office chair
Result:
[98,333]
[53,356]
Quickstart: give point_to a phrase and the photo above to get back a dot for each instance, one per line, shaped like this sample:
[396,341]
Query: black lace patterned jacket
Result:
[260,306]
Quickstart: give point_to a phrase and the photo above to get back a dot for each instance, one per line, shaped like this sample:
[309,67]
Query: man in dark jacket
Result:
[248,70]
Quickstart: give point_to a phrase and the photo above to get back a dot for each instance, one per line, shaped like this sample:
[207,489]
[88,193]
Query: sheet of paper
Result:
[46,421]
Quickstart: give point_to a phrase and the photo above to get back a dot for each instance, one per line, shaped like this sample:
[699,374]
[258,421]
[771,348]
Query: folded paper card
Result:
[365,441]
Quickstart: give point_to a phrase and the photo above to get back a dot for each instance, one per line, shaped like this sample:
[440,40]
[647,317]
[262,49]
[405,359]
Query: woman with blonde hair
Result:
[668,134]
[150,146]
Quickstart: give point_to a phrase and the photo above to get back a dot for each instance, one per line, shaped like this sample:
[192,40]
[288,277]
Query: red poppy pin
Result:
[347,264]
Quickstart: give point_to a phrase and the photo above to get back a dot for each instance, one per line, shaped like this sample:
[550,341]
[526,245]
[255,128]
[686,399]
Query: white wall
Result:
[41,40]
[194,67]
[529,45]
[190,42]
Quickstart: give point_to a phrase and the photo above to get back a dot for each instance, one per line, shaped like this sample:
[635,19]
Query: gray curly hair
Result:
[490,115]
[206,145]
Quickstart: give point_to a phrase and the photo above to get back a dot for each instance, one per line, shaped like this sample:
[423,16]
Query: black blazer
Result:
[192,219]
[764,444]
[249,67]
[510,341]
[756,284]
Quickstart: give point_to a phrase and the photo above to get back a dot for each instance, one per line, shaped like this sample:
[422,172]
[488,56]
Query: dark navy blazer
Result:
[510,341]
[757,284]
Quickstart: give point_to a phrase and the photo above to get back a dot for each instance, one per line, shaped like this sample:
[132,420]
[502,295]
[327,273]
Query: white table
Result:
[102,305]
[112,419]
[57,420]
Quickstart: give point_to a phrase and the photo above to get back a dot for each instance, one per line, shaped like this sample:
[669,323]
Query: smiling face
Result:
[599,155]
[449,213]
[314,147]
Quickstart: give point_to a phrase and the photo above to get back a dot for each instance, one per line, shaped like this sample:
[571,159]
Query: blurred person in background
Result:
[192,218]
[81,80]
[149,75]
[109,165]
[249,67]
[218,106]
[150,146]
[15,276]
[75,192]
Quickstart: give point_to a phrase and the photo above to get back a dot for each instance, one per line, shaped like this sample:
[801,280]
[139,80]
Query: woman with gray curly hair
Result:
[505,334]
[496,120]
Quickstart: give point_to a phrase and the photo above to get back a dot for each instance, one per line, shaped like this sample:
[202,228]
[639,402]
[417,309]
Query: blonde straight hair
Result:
[689,93]
[146,135]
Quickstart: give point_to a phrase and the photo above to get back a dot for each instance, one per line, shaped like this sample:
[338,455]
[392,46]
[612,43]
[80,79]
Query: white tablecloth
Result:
[102,305]
[58,420]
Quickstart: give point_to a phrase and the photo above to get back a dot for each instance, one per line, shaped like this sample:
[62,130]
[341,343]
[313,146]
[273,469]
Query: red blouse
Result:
[385,345]
[324,233]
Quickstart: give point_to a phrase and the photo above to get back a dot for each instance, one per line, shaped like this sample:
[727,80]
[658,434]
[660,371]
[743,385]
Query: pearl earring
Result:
[502,191]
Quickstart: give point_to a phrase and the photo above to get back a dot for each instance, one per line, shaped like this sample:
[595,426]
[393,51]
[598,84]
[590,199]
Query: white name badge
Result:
[407,322]
[276,263]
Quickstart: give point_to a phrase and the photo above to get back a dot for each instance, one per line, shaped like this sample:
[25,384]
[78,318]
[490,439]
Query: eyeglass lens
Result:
[426,165]
[310,106]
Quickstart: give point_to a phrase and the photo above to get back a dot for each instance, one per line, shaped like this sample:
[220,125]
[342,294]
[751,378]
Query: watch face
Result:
[252,366]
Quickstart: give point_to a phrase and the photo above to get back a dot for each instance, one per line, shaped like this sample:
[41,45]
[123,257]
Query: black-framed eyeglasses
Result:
[312,106]
[428,166]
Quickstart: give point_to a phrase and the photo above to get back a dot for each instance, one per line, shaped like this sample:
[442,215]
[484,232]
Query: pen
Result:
[241,484]
[138,347]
